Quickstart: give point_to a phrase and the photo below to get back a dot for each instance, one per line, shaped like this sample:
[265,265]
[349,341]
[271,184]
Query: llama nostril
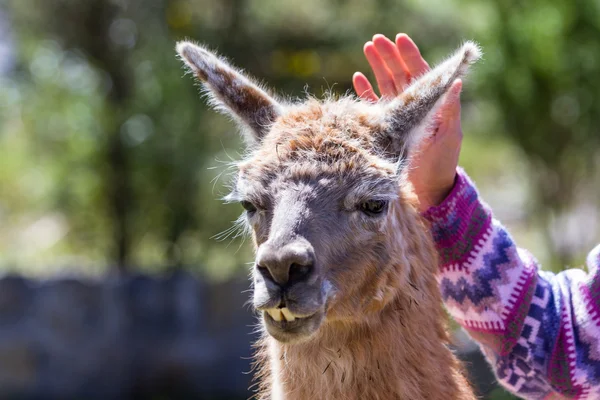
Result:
[264,271]
[299,272]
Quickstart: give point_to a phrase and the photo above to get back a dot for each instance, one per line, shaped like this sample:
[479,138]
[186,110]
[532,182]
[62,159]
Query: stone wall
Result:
[137,337]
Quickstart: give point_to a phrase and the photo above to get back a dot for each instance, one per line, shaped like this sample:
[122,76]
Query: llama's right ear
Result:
[231,92]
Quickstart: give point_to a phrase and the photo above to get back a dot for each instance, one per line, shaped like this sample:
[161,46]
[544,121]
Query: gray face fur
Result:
[323,191]
[308,230]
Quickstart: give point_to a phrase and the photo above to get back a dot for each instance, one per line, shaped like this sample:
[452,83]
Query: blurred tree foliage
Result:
[109,156]
[542,75]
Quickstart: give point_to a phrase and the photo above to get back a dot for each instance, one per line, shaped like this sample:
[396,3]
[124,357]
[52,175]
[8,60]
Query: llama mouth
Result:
[285,327]
[281,314]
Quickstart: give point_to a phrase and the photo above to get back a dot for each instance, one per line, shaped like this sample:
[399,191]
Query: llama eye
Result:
[248,206]
[373,207]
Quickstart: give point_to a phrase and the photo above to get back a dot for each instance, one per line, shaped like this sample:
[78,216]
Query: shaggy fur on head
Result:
[369,321]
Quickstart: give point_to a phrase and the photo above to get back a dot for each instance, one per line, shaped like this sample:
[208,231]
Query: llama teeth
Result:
[287,314]
[275,313]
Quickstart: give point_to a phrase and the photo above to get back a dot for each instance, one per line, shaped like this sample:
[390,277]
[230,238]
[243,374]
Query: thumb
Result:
[448,115]
[450,109]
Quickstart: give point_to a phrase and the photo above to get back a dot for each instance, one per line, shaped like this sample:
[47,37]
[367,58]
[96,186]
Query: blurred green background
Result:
[110,160]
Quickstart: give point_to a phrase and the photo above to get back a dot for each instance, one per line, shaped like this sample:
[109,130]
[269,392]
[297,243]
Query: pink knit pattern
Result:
[540,331]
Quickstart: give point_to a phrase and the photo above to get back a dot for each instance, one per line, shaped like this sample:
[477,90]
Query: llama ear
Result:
[409,117]
[231,92]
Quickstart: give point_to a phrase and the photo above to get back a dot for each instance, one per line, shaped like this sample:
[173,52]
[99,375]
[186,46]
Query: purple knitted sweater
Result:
[540,331]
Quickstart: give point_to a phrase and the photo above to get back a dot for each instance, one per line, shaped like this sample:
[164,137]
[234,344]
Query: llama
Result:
[344,278]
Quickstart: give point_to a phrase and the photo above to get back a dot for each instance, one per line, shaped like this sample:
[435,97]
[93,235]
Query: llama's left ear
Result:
[231,91]
[408,117]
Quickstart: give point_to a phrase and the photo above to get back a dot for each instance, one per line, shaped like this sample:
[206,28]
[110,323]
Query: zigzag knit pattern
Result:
[540,331]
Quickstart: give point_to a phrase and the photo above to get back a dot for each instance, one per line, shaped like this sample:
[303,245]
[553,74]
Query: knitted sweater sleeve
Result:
[539,331]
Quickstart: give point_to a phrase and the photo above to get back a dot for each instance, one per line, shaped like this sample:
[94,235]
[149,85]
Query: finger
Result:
[411,55]
[363,87]
[390,54]
[384,78]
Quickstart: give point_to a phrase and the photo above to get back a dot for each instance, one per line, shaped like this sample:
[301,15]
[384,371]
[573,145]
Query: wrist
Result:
[460,196]
[458,221]
[435,197]
[443,192]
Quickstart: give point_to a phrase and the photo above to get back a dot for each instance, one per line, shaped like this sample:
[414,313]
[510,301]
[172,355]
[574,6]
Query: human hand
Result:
[433,165]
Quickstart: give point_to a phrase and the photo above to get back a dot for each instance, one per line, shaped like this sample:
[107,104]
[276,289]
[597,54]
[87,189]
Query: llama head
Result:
[323,189]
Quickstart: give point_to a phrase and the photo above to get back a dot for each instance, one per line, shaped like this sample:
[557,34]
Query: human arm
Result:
[539,331]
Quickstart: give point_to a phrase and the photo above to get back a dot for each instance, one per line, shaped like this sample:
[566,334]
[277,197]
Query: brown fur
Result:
[382,331]
[392,344]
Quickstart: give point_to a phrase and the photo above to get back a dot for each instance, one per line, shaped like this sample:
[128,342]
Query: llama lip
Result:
[288,330]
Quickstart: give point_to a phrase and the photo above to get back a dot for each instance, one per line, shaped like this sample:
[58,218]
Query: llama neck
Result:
[398,350]
[401,355]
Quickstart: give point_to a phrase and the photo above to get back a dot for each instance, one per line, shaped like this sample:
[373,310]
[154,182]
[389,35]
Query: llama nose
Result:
[286,265]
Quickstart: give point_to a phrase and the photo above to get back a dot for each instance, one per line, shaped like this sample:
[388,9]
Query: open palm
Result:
[395,65]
